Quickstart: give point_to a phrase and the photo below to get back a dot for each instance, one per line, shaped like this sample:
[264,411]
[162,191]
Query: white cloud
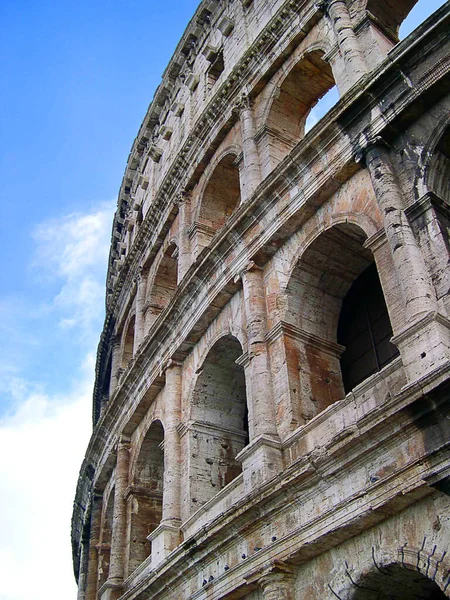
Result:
[75,249]
[41,446]
[43,436]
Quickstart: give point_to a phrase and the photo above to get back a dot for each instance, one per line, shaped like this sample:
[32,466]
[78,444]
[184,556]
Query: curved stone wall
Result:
[227,459]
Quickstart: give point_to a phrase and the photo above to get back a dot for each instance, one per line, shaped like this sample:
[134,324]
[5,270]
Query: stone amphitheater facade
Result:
[272,407]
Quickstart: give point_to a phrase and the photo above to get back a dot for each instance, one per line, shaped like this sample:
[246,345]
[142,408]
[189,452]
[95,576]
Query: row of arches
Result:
[335,297]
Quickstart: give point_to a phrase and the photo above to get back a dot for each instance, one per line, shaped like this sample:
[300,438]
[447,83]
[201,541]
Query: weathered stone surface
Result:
[253,435]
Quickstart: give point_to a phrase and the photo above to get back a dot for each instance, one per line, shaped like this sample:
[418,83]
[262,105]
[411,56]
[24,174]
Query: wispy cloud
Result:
[42,446]
[75,249]
[43,434]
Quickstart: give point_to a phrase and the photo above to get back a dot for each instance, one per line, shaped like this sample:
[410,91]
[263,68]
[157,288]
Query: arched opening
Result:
[416,15]
[394,582]
[219,411]
[364,330]
[430,214]
[105,538]
[307,82]
[322,107]
[145,499]
[438,175]
[221,197]
[390,15]
[105,384]
[163,285]
[332,284]
[128,343]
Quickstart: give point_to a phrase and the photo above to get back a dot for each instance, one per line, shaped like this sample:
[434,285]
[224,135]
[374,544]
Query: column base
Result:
[164,539]
[424,346]
[261,460]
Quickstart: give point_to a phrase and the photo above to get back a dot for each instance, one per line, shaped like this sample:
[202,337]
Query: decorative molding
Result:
[282,328]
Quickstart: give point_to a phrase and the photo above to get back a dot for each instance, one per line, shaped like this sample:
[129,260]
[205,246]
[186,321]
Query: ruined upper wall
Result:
[229,48]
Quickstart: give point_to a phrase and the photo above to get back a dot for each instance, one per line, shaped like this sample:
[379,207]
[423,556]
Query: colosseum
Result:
[271,416]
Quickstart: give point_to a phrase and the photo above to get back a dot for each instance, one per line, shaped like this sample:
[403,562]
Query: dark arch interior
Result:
[219,410]
[222,194]
[147,490]
[128,344]
[397,583]
[364,329]
[307,82]
[439,169]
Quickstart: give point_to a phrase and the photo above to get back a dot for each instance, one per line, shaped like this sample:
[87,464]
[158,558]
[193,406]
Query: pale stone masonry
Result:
[272,399]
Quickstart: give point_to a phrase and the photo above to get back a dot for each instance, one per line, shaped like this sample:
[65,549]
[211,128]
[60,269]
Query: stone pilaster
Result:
[349,48]
[184,244]
[252,165]
[166,537]
[139,326]
[276,581]
[261,459]
[277,586]
[424,342]
[115,364]
[119,527]
[418,294]
[91,575]
[172,398]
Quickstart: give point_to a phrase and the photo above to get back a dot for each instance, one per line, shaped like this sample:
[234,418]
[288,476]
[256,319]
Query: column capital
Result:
[169,364]
[250,266]
[276,580]
[182,197]
[115,340]
[124,443]
[322,5]
[243,102]
[371,143]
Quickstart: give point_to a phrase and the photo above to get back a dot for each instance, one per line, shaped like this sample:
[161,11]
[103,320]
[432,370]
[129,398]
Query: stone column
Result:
[424,343]
[184,245]
[115,364]
[276,580]
[91,574]
[92,570]
[252,164]
[139,326]
[261,459]
[418,294]
[263,409]
[119,527]
[166,537]
[172,412]
[277,586]
[349,47]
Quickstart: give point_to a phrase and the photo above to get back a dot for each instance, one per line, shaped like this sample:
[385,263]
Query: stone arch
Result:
[222,194]
[128,340]
[303,83]
[232,149]
[316,294]
[322,46]
[395,581]
[389,15]
[145,495]
[219,418]
[434,171]
[162,286]
[220,197]
[224,332]
[430,215]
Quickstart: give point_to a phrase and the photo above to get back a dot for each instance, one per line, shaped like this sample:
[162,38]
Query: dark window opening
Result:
[215,70]
[365,330]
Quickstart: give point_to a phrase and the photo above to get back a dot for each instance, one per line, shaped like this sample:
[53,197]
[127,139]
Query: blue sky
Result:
[77,78]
